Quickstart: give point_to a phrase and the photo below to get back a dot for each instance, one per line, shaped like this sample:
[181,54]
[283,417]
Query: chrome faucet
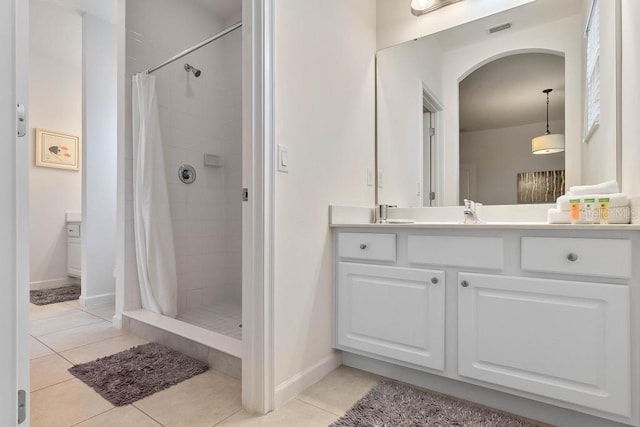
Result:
[470,214]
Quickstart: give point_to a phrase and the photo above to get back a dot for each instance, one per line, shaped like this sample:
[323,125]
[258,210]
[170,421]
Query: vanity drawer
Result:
[367,246]
[584,257]
[470,252]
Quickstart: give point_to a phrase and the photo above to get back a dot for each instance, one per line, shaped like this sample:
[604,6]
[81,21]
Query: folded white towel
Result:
[603,188]
[556,216]
[616,200]
[621,215]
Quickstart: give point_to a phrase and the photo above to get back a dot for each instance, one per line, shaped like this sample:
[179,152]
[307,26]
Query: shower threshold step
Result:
[200,335]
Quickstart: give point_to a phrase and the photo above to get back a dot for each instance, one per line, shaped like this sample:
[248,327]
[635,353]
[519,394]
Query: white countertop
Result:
[532,218]
[496,225]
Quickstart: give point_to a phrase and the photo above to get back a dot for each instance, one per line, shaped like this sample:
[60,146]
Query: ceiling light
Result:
[420,7]
[548,143]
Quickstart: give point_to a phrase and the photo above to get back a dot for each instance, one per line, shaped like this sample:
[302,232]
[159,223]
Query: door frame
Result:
[258,211]
[431,103]
[14,209]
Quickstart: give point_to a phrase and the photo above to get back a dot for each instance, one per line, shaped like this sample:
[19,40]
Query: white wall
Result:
[396,24]
[402,72]
[630,97]
[99,160]
[500,154]
[563,36]
[599,153]
[55,98]
[324,113]
[197,116]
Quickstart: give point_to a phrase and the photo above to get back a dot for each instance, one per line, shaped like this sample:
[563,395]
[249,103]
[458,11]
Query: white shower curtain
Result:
[153,232]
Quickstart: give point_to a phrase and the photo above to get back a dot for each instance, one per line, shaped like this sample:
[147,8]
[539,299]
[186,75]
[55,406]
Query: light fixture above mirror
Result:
[420,7]
[548,143]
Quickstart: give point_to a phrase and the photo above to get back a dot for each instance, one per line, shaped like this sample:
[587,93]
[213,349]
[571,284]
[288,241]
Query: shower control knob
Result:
[187,174]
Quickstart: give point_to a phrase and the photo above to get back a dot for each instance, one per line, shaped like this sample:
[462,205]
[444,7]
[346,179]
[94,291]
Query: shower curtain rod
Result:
[196,47]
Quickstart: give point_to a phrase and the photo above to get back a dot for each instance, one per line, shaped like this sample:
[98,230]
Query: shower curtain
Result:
[153,233]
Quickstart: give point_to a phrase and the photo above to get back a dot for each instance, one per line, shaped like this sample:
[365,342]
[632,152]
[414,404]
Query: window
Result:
[592,94]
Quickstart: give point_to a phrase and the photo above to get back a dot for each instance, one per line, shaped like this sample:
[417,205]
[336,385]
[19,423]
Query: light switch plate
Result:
[283,158]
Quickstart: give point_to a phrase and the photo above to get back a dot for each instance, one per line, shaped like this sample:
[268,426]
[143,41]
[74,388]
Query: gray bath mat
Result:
[51,296]
[141,371]
[391,404]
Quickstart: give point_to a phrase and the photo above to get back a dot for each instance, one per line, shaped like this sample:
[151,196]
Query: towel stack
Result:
[619,212]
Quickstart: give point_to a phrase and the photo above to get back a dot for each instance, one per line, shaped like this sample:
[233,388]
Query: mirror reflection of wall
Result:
[502,107]
[439,63]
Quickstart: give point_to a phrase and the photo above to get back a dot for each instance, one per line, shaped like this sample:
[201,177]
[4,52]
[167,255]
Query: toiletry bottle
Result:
[589,211]
[575,210]
[603,202]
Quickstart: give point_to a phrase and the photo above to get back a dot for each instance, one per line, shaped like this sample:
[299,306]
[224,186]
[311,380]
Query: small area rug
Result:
[51,296]
[141,371]
[392,404]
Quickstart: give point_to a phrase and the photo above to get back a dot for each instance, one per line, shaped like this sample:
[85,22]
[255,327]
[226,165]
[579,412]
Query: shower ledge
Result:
[200,335]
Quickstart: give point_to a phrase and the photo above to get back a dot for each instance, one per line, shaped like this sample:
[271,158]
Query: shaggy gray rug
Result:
[51,296]
[392,404]
[141,371]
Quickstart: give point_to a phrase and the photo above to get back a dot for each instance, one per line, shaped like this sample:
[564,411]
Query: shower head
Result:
[194,70]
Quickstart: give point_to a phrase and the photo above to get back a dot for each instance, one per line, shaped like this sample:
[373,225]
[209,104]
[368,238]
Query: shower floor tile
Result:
[223,317]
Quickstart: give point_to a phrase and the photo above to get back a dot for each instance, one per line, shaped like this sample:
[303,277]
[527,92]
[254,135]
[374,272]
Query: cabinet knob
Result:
[464,284]
[434,280]
[572,257]
[363,246]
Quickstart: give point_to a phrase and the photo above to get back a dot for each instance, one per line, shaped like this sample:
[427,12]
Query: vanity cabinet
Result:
[393,312]
[74,250]
[545,313]
[566,340]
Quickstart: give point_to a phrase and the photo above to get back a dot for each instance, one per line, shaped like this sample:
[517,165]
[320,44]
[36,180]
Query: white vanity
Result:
[545,312]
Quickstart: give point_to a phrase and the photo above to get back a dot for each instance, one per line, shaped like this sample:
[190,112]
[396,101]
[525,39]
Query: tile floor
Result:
[223,317]
[63,334]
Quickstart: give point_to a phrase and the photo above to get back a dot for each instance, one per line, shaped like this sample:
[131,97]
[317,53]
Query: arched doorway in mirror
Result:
[502,107]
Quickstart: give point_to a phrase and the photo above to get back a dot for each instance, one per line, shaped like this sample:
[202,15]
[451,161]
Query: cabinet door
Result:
[564,340]
[74,257]
[393,312]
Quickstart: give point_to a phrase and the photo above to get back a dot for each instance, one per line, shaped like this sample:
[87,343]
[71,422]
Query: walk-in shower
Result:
[187,199]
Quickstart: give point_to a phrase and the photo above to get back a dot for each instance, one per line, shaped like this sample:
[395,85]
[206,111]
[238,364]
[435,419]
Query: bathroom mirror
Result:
[457,110]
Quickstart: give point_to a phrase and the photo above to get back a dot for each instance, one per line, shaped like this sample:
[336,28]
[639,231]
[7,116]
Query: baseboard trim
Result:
[302,380]
[53,283]
[97,300]
[117,321]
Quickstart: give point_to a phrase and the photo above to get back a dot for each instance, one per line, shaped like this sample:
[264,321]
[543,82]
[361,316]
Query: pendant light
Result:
[548,143]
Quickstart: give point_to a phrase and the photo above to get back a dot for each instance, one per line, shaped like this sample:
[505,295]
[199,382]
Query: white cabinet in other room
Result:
[565,340]
[397,313]
[74,250]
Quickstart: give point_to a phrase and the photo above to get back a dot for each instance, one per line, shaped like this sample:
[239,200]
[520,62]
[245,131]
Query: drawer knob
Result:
[572,257]
[434,280]
[363,246]
[464,284]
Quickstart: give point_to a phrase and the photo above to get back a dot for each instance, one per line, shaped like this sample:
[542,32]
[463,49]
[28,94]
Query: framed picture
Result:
[57,150]
[540,187]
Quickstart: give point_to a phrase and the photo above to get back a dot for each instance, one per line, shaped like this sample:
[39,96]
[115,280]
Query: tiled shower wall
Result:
[197,116]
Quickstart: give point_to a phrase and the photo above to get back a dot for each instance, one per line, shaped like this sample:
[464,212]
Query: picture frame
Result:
[57,150]
[540,186]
